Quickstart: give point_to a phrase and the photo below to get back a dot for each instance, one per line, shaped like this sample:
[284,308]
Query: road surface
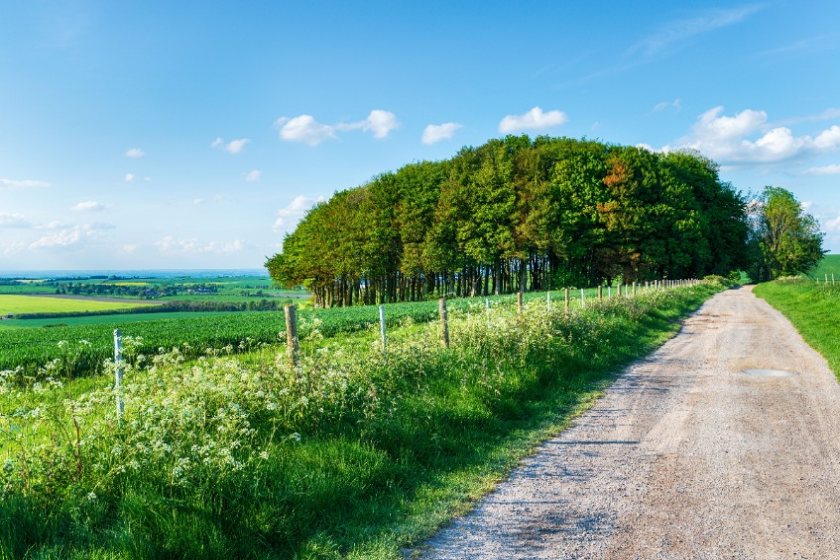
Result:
[723,444]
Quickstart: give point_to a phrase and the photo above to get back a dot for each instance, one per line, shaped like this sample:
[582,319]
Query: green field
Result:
[828,266]
[31,343]
[17,304]
[182,288]
[350,454]
[110,321]
[812,308]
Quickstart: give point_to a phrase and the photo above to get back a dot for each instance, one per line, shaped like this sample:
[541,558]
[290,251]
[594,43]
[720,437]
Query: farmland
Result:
[352,453]
[162,287]
[828,266]
[83,343]
[17,304]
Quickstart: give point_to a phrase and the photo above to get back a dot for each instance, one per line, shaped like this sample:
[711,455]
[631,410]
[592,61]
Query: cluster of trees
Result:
[784,239]
[517,212]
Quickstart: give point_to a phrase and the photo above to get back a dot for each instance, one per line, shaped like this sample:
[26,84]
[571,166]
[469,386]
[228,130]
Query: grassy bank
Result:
[351,454]
[812,308]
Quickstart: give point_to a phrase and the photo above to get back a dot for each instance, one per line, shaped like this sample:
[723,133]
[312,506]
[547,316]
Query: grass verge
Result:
[350,455]
[812,308]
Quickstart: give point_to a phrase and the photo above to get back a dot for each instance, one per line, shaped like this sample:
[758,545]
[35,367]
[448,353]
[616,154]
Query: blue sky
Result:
[194,134]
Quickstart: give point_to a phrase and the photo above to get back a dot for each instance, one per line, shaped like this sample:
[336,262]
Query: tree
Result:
[516,213]
[785,240]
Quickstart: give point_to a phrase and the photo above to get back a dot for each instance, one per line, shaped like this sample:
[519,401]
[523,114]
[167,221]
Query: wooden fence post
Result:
[582,299]
[118,372]
[566,299]
[444,322]
[548,300]
[520,303]
[292,344]
[634,289]
[487,307]
[600,293]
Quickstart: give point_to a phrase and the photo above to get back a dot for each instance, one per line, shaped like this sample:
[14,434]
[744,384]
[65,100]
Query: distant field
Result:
[16,304]
[829,265]
[111,321]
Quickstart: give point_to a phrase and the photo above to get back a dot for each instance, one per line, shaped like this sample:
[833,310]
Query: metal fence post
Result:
[118,372]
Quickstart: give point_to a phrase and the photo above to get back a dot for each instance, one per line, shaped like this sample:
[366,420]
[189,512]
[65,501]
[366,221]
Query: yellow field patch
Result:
[17,304]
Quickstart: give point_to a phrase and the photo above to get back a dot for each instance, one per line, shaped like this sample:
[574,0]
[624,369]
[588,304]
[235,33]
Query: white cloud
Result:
[55,224]
[832,225]
[233,147]
[89,206]
[289,216]
[676,105]
[68,236]
[436,132]
[684,29]
[11,247]
[305,129]
[747,138]
[129,248]
[147,179]
[236,146]
[828,114]
[198,201]
[170,244]
[13,221]
[828,139]
[134,153]
[253,175]
[833,169]
[381,123]
[535,119]
[129,177]
[22,184]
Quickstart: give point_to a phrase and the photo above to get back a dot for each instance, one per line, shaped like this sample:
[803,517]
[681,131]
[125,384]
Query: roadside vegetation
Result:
[811,306]
[351,454]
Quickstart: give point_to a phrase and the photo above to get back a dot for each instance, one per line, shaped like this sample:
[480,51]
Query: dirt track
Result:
[685,457]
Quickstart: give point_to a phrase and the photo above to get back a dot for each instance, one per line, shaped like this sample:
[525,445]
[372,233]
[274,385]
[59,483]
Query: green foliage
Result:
[785,240]
[517,212]
[351,454]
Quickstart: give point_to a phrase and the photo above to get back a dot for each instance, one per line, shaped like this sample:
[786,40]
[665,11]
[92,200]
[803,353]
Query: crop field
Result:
[83,343]
[159,288]
[352,453]
[16,304]
[828,266]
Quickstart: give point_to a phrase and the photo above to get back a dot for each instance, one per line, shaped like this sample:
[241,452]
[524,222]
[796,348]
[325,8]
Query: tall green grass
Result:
[351,454]
[812,308]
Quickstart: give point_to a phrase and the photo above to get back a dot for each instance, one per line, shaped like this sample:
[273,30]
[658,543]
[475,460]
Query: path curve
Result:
[686,456]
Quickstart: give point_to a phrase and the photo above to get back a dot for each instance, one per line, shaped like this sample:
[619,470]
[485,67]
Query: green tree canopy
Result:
[536,213]
[785,240]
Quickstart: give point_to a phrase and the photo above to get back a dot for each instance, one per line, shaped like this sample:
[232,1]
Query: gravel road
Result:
[725,443]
